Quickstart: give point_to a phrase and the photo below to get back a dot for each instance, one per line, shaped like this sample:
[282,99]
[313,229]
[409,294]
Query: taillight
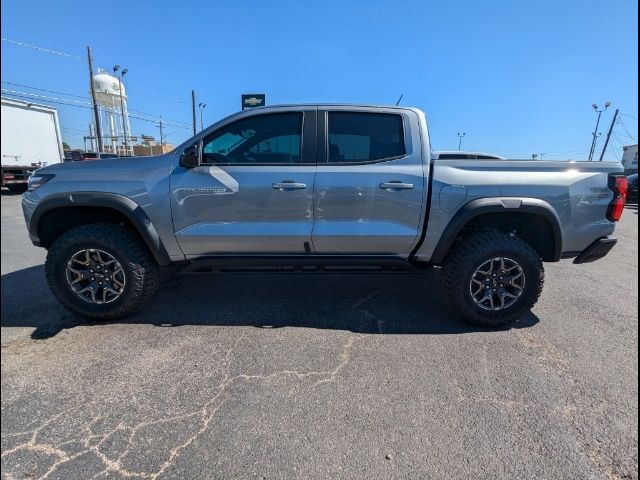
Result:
[620,187]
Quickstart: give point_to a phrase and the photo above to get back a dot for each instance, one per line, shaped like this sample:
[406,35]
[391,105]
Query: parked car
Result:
[314,187]
[632,196]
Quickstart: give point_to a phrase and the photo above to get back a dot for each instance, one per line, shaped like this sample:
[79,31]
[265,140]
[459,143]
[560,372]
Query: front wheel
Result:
[492,279]
[101,271]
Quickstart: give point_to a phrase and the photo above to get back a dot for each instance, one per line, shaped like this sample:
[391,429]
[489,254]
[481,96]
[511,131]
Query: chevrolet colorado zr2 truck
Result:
[317,187]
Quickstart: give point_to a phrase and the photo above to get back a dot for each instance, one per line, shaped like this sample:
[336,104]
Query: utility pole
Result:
[460,135]
[595,133]
[606,142]
[96,113]
[161,150]
[193,109]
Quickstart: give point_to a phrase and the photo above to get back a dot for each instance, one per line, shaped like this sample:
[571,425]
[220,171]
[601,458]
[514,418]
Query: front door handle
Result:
[288,185]
[394,185]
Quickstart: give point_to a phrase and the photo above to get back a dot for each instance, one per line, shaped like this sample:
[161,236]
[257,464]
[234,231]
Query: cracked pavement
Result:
[316,376]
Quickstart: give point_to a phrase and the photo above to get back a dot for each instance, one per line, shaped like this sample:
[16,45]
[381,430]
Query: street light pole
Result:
[460,136]
[201,106]
[595,133]
[193,109]
[124,123]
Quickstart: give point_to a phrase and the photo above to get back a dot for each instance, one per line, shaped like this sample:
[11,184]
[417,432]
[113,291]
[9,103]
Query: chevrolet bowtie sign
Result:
[253,100]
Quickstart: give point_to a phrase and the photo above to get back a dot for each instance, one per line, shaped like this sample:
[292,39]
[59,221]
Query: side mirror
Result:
[190,157]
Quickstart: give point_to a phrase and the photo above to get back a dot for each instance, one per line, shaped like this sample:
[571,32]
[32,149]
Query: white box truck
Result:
[31,139]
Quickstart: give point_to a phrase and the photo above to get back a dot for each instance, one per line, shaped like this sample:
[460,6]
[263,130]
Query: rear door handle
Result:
[393,185]
[288,185]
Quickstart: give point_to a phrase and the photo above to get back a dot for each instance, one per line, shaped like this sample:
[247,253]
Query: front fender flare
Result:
[122,204]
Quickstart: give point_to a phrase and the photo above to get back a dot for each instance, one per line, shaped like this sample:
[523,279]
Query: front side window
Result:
[268,139]
[364,137]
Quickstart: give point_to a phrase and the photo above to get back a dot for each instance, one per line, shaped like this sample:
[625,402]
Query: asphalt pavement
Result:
[320,376]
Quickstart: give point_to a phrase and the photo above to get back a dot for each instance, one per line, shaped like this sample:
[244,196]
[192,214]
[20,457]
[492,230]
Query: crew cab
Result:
[313,187]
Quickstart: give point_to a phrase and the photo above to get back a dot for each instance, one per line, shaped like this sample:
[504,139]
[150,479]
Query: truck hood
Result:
[109,165]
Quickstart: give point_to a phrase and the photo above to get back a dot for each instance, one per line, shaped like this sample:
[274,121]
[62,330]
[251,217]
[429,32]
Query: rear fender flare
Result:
[483,206]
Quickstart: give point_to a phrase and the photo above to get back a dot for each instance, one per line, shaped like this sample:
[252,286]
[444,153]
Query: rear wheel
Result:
[492,279]
[101,271]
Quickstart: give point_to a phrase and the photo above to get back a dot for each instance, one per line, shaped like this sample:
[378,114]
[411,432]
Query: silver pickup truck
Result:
[319,187]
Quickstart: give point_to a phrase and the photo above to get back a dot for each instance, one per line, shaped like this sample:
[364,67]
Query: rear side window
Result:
[364,137]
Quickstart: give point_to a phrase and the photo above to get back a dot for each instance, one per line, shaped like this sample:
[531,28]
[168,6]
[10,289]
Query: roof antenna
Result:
[398,102]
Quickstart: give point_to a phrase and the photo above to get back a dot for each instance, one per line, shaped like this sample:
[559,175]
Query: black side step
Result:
[299,264]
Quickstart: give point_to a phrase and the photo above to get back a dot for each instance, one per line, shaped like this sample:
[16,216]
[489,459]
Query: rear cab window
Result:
[362,137]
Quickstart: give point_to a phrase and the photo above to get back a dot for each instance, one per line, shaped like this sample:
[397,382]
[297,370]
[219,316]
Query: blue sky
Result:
[519,77]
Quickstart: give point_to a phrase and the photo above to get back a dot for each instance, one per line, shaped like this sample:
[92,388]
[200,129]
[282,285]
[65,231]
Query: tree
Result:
[65,146]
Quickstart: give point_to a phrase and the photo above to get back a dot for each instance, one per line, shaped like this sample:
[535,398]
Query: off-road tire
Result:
[141,272]
[468,255]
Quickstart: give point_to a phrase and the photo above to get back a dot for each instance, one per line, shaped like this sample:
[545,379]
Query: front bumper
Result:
[596,250]
[30,200]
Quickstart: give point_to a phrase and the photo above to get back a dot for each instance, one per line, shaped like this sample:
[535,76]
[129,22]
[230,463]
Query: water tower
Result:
[112,105]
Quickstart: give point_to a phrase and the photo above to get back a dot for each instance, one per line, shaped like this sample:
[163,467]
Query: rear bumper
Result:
[16,175]
[596,250]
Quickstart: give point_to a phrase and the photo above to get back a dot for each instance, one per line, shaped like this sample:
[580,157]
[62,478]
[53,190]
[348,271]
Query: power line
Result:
[72,130]
[135,80]
[44,90]
[39,34]
[184,124]
[35,47]
[27,97]
[35,95]
[164,119]
[627,131]
[62,101]
[151,116]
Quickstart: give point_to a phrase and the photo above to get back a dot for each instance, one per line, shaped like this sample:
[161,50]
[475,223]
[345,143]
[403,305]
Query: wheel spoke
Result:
[514,277]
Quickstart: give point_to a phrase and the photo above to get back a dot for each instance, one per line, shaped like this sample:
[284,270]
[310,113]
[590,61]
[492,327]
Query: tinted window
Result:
[90,155]
[271,138]
[108,155]
[364,137]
